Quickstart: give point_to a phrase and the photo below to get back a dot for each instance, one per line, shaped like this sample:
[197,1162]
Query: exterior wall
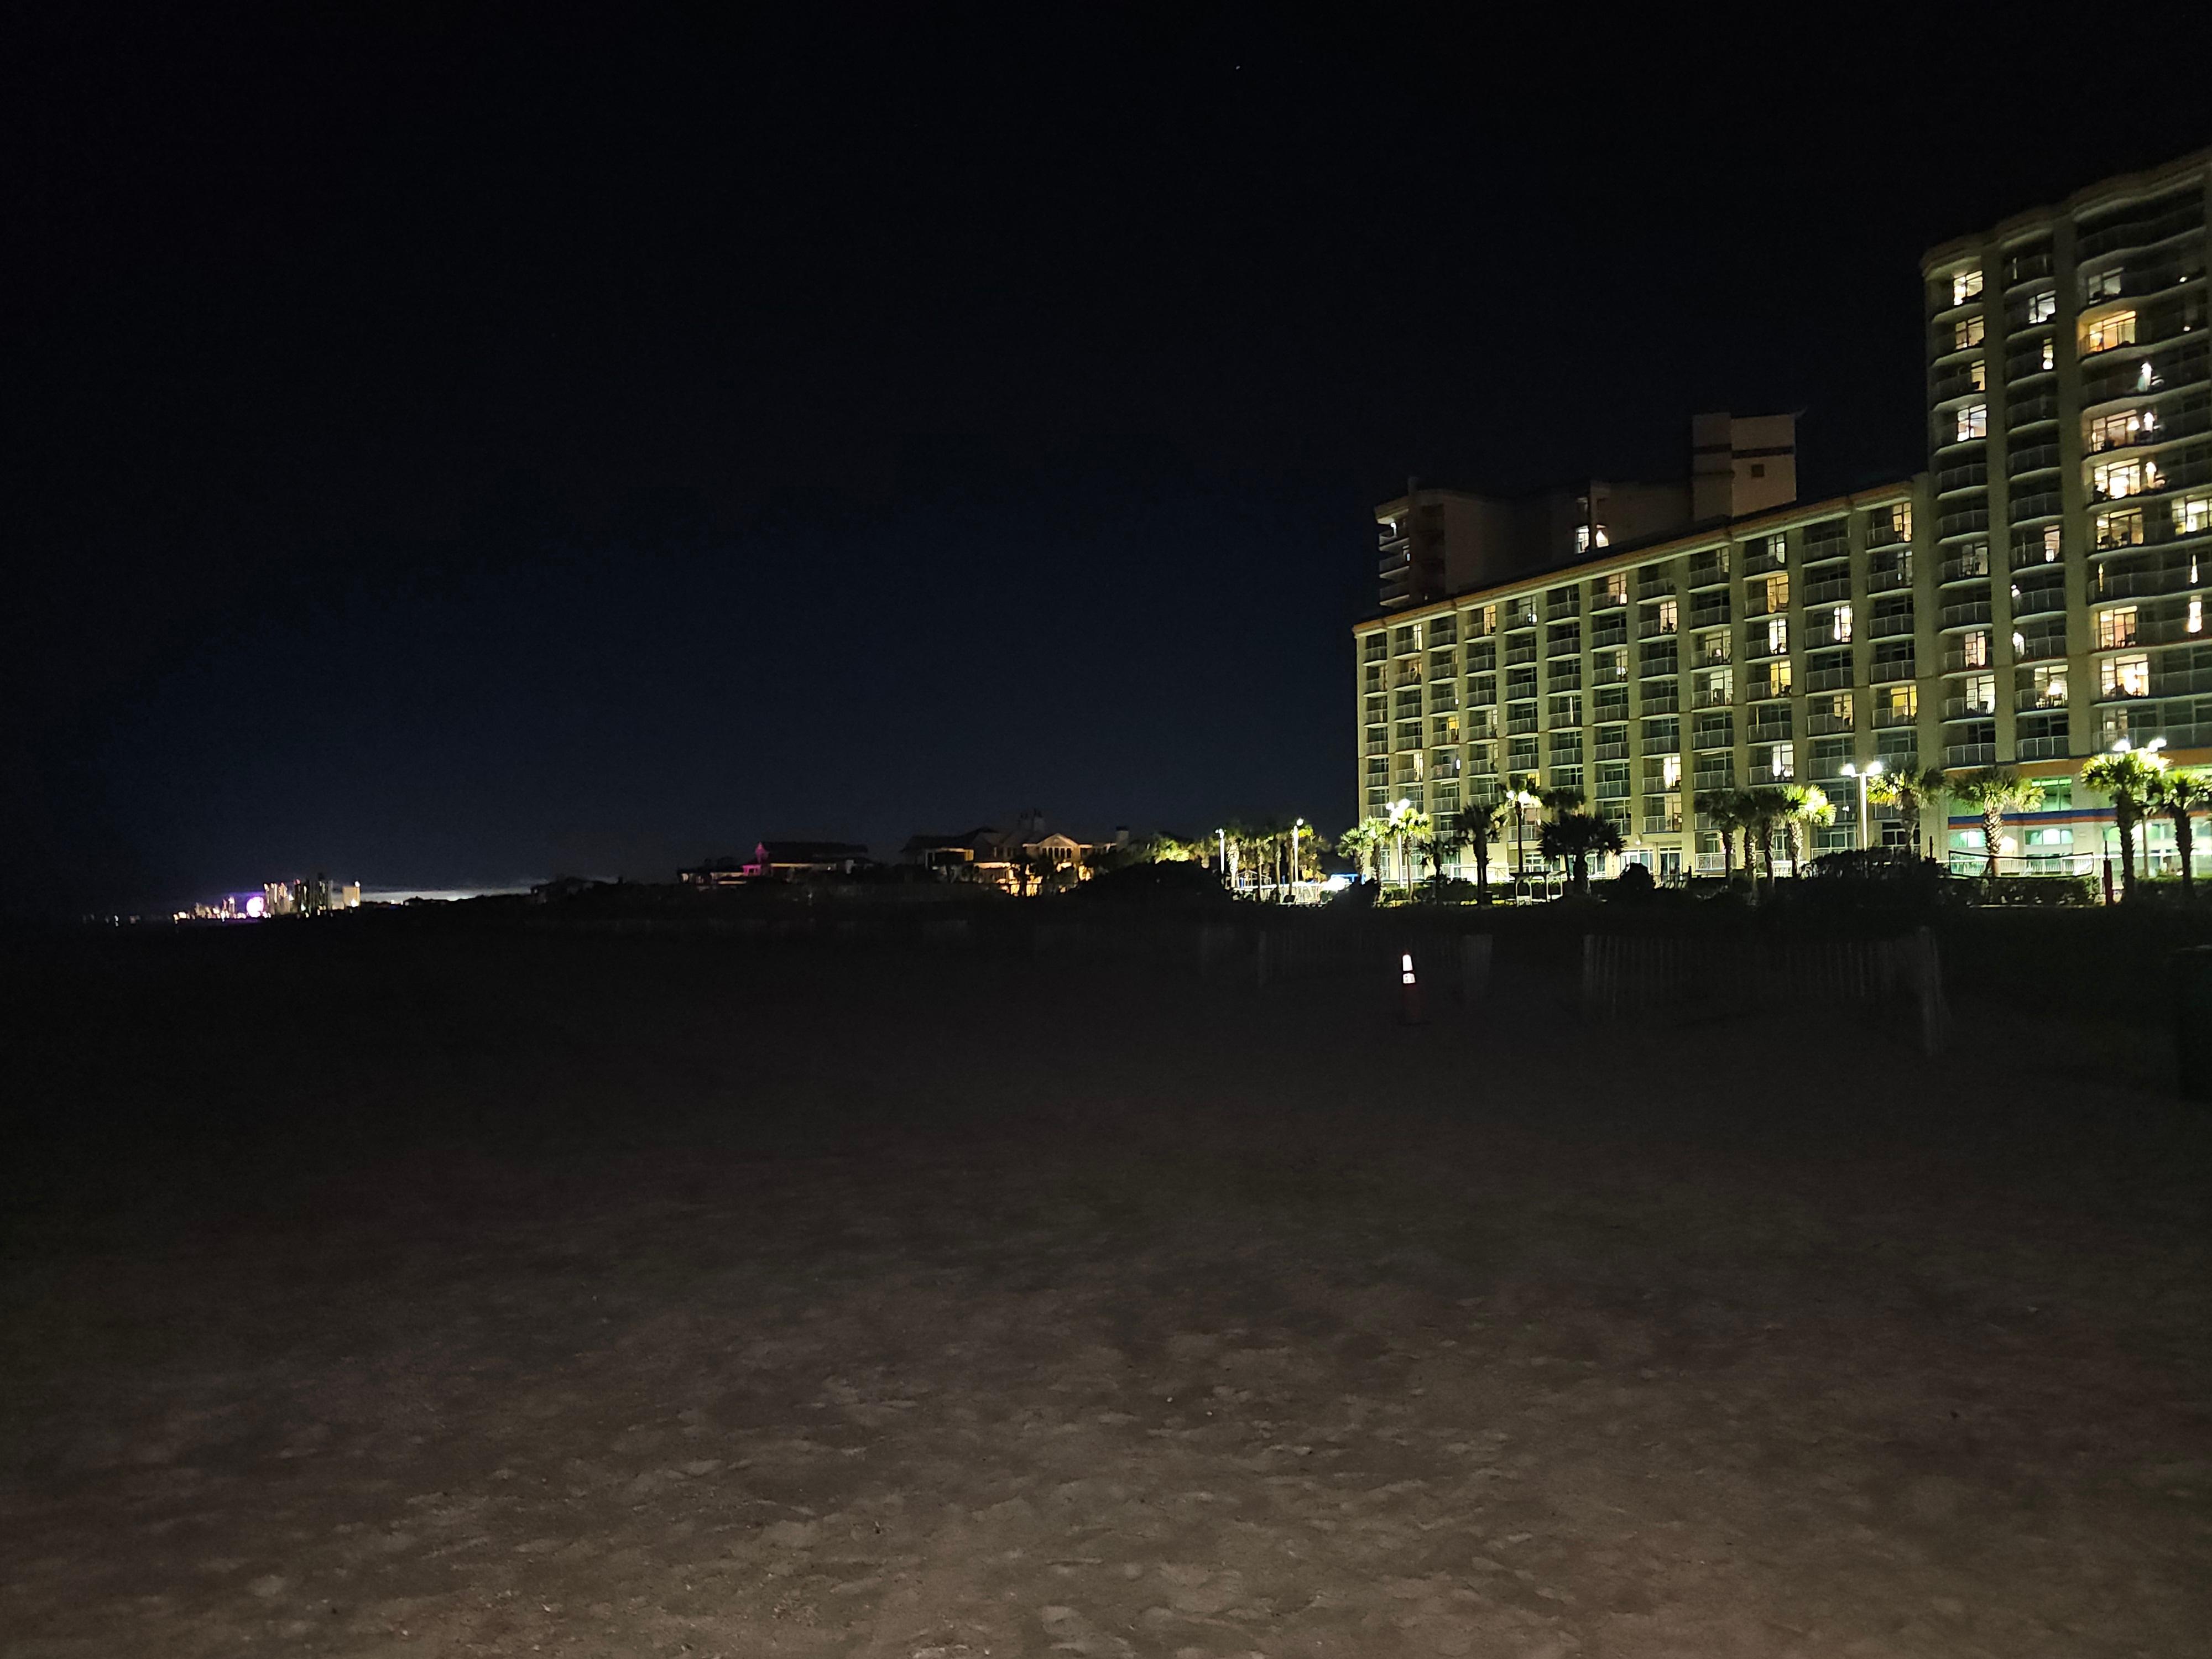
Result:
[1576,677]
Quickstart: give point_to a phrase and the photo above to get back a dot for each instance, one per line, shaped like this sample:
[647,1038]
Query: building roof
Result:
[1692,540]
[808,852]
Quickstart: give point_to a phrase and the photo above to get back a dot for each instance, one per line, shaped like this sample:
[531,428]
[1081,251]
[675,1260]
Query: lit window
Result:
[1978,376]
[2125,676]
[1668,615]
[1976,648]
[1973,421]
[1973,559]
[1777,635]
[2042,307]
[1981,693]
[2049,686]
[2196,624]
[1717,688]
[2192,515]
[2116,480]
[1778,679]
[1967,331]
[2143,380]
[2051,543]
[2119,329]
[2049,352]
[2116,627]
[1784,760]
[2124,528]
[1900,520]
[1616,586]
[1965,285]
[1670,771]
[2125,426]
[1901,702]
[1843,625]
[2103,285]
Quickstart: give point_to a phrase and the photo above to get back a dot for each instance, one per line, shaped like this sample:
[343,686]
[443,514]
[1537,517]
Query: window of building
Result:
[2049,352]
[1482,621]
[1778,679]
[1403,640]
[1670,771]
[1980,693]
[2047,687]
[1717,688]
[2194,624]
[2042,307]
[1974,649]
[1897,703]
[2123,426]
[2103,285]
[2122,528]
[1843,625]
[2118,480]
[2125,676]
[1587,535]
[1670,616]
[1777,635]
[2117,329]
[2053,543]
[1713,645]
[2116,627]
[1965,285]
[1967,331]
[1783,758]
[1970,422]
[1614,590]
[1444,732]
[2192,515]
[1978,375]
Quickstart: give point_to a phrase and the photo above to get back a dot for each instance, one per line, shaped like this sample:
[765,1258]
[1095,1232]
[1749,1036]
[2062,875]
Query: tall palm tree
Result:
[2128,776]
[1993,790]
[1561,798]
[1477,825]
[1909,789]
[1763,808]
[2181,796]
[1720,807]
[1577,836]
[1410,827]
[1809,804]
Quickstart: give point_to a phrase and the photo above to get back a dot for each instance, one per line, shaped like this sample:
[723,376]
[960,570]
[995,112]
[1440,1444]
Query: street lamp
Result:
[1297,824]
[1222,835]
[1872,769]
[1397,810]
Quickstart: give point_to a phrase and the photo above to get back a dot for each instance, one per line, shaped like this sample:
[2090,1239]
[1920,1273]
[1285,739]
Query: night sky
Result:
[450,451]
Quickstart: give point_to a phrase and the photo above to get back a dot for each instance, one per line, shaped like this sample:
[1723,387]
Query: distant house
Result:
[948,857]
[714,872]
[562,887]
[805,861]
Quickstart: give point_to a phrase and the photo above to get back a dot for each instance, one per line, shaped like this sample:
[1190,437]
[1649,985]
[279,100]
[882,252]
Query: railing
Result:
[1654,585]
[1882,577]
[2030,599]
[1962,521]
[1667,702]
[1822,724]
[2041,504]
[1967,476]
[1953,615]
[1829,679]
[1970,754]
[1663,823]
[1823,592]
[1959,708]
[1891,668]
[1708,570]
[2036,646]
[2033,458]
[1965,567]
[2033,410]
[2030,749]
[1520,653]
[1900,622]
[1613,631]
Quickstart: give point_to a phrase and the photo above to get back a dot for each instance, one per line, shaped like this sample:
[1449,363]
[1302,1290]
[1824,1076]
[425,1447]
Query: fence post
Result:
[1934,1013]
[1473,969]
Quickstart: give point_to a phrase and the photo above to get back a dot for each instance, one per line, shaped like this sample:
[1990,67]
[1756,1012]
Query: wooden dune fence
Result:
[1625,977]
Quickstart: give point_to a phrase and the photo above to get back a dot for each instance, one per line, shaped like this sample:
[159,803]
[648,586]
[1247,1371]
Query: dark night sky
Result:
[446,451]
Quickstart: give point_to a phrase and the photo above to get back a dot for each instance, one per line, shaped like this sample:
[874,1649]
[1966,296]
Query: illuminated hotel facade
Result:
[2036,597]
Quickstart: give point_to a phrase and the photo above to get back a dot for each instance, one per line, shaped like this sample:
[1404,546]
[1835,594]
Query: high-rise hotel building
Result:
[2037,596]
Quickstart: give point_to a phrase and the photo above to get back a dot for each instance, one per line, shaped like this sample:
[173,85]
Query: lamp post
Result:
[1222,836]
[1398,837]
[1297,824]
[1871,769]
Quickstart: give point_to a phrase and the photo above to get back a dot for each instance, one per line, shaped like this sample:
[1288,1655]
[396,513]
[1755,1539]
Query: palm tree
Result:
[1993,790]
[1414,831]
[2181,796]
[1575,836]
[1720,807]
[1477,825]
[1809,804]
[1561,798]
[1762,808]
[1359,843]
[2128,776]
[1909,789]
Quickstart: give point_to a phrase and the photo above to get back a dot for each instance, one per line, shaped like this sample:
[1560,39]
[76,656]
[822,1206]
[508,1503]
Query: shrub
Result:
[2020,892]
[1634,885]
